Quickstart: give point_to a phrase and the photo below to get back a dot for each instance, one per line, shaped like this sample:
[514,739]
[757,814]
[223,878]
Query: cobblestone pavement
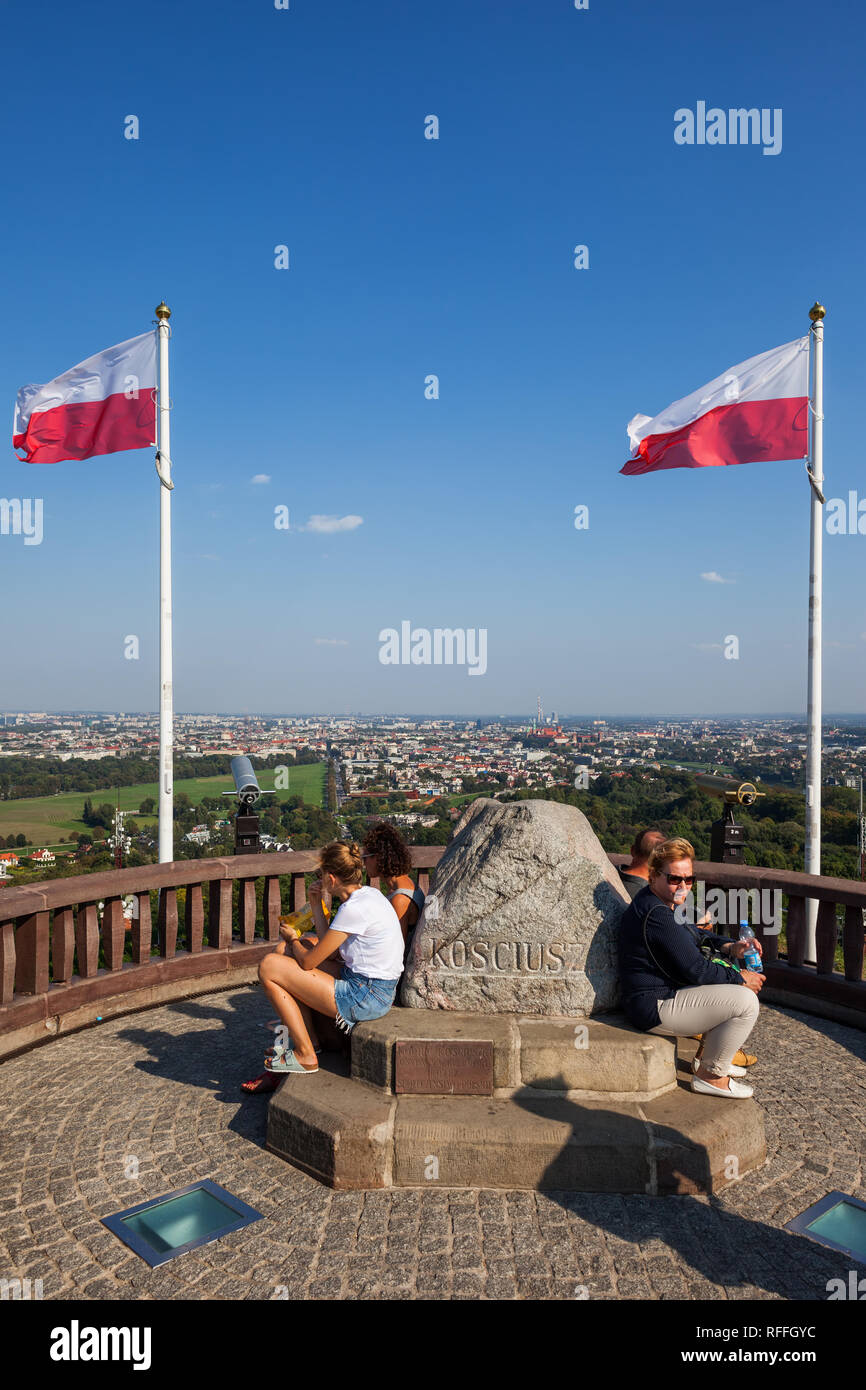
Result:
[107,1118]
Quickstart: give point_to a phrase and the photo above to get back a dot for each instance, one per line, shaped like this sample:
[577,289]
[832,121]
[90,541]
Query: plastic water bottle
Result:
[752,958]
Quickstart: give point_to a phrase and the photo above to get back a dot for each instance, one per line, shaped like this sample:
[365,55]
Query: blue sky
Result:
[410,256]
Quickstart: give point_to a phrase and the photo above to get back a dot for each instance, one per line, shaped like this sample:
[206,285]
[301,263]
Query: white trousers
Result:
[725,1014]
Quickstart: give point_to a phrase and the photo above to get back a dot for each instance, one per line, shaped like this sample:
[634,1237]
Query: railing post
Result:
[31,969]
[852,943]
[826,937]
[62,945]
[299,892]
[142,930]
[796,930]
[113,933]
[271,908]
[769,942]
[167,923]
[7,962]
[193,915]
[219,929]
[87,940]
[247,909]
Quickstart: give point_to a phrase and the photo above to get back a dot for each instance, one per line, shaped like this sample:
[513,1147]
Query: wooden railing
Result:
[63,958]
[60,955]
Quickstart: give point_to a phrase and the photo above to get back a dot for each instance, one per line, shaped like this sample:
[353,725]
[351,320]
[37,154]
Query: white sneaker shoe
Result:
[732,1070]
[734,1089]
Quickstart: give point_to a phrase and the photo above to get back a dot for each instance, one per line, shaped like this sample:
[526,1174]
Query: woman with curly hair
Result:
[386,856]
[348,971]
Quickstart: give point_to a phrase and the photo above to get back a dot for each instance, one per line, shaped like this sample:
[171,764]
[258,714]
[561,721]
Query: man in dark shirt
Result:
[635,875]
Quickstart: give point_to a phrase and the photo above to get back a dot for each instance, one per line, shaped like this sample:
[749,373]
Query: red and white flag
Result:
[102,406]
[754,412]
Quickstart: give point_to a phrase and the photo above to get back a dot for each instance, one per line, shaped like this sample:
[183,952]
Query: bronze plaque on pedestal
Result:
[434,1067]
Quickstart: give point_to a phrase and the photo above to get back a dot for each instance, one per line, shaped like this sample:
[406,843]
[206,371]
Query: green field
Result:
[44,818]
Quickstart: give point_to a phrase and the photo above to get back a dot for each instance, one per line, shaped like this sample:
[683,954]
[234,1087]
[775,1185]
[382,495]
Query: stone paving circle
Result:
[108,1117]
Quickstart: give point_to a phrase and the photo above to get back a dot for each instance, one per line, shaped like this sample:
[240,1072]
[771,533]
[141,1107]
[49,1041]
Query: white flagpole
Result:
[816,549]
[166,700]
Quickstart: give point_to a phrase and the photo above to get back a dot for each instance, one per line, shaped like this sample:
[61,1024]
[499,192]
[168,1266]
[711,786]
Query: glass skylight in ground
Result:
[837,1221]
[165,1227]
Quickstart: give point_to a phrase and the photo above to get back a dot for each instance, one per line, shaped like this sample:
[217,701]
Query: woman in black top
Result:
[669,984]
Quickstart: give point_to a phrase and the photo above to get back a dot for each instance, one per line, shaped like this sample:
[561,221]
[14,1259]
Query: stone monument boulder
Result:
[523,918]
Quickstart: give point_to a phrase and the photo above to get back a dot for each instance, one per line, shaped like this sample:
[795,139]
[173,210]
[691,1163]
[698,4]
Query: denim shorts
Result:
[358,998]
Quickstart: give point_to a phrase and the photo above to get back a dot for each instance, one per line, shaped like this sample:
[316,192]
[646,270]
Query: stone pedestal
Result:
[590,1107]
[493,1074]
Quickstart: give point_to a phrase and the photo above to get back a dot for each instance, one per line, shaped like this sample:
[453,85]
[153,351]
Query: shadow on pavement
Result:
[219,1059]
[716,1242]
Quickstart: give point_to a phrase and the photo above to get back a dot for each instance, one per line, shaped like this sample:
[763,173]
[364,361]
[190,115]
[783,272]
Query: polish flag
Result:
[754,412]
[102,406]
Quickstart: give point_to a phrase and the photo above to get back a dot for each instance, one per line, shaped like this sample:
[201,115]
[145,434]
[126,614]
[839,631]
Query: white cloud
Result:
[327,524]
[260,478]
[331,642]
[713,578]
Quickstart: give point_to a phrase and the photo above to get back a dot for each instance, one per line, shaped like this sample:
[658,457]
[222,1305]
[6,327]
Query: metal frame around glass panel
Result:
[244,1215]
[801,1224]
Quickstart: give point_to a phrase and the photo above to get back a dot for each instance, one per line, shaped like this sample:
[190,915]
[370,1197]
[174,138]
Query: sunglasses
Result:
[674,879]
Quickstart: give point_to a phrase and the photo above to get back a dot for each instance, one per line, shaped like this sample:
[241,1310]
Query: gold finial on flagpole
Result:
[162,311]
[816,312]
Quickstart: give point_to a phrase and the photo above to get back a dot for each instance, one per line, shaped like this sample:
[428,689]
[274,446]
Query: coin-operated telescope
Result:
[247,791]
[727,836]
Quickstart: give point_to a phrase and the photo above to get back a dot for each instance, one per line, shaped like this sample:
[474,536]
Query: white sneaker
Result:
[732,1070]
[734,1089]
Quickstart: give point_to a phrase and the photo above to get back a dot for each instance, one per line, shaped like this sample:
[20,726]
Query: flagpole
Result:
[816,546]
[166,697]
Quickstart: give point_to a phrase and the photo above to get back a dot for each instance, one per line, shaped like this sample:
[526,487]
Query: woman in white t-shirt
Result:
[348,970]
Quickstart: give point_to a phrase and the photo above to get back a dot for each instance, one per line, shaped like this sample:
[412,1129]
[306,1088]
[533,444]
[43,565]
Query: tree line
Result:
[25,776]
[775,831]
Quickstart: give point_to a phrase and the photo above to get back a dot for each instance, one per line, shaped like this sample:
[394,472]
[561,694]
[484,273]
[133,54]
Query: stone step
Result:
[336,1129]
[602,1057]
[349,1134]
[524,1141]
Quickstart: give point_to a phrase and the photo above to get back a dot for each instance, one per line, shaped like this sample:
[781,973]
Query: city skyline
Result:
[512,715]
